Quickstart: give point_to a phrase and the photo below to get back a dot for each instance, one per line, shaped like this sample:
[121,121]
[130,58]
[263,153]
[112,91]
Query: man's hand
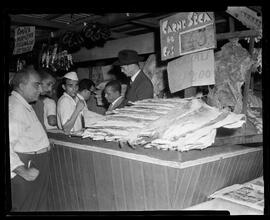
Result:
[80,105]
[29,174]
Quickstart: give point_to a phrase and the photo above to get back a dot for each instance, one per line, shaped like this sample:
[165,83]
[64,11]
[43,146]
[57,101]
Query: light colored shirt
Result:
[135,75]
[26,133]
[49,109]
[81,98]
[66,105]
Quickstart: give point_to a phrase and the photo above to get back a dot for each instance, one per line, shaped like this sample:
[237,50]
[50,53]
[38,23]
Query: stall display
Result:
[168,124]
[231,65]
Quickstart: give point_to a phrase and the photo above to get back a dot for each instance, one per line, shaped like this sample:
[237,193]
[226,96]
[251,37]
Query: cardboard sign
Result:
[191,70]
[24,39]
[247,16]
[185,33]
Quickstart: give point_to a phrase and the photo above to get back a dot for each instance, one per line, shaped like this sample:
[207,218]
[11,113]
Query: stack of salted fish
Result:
[168,124]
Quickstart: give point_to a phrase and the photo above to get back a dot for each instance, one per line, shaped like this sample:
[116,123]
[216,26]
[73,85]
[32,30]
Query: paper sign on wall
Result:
[24,39]
[191,70]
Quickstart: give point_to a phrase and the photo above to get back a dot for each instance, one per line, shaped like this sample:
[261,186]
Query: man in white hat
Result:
[69,106]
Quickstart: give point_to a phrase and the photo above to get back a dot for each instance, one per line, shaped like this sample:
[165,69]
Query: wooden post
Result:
[247,81]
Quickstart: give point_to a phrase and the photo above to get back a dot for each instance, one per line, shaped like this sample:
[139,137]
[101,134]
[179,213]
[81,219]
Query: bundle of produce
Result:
[231,66]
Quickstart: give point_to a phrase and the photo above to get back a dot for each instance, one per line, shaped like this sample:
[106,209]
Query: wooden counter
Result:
[91,175]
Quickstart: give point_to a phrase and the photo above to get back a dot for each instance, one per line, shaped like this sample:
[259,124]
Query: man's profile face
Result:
[32,88]
[47,86]
[126,70]
[110,94]
[71,87]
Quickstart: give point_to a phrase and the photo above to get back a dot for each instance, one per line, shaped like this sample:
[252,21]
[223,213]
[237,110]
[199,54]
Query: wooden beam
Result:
[143,44]
[145,24]
[231,24]
[41,22]
[237,34]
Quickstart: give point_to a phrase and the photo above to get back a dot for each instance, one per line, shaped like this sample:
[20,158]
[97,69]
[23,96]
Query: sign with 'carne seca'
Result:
[187,32]
[24,39]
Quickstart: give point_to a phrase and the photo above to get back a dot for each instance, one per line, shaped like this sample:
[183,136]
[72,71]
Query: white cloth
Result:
[72,76]
[66,105]
[26,133]
[115,101]
[49,109]
[135,75]
[81,98]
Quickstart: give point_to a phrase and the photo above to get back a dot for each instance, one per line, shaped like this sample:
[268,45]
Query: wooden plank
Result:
[192,186]
[212,185]
[143,44]
[239,139]
[184,179]
[137,185]
[67,184]
[160,188]
[104,182]
[202,180]
[62,199]
[172,178]
[148,184]
[86,169]
[237,34]
[128,184]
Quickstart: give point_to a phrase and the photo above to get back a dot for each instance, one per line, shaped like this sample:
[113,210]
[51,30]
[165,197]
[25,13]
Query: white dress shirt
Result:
[26,133]
[66,105]
[49,109]
[135,75]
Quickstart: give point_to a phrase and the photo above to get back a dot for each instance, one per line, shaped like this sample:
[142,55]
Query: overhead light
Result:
[127,14]
[84,23]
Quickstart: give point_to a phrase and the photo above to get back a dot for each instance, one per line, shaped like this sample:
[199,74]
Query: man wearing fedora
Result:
[141,86]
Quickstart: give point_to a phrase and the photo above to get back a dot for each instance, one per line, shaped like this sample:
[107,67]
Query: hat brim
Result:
[121,63]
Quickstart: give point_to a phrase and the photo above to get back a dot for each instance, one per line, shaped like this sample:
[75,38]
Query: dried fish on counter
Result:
[167,124]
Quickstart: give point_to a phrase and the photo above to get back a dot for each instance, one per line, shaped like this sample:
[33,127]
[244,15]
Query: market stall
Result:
[168,153]
[97,175]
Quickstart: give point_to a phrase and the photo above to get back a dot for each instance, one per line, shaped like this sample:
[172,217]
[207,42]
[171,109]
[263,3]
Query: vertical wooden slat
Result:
[118,184]
[127,177]
[104,182]
[78,179]
[74,175]
[53,186]
[89,191]
[160,187]
[56,180]
[67,185]
[143,184]
[192,185]
[184,176]
[210,172]
[215,182]
[137,185]
[62,198]
[149,182]
[219,180]
[200,191]
[172,174]
[232,162]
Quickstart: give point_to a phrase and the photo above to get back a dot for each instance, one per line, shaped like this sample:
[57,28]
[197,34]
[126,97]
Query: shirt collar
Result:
[80,96]
[113,103]
[22,100]
[67,95]
[135,75]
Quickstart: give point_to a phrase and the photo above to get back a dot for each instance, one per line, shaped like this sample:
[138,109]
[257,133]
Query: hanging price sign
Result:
[185,33]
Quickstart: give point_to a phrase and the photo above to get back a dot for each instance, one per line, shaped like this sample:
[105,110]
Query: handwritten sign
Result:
[187,32]
[248,17]
[24,39]
[195,69]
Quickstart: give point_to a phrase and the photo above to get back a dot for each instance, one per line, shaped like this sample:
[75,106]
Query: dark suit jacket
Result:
[119,104]
[141,88]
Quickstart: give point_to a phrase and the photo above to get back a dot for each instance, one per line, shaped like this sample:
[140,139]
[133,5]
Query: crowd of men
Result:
[32,111]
